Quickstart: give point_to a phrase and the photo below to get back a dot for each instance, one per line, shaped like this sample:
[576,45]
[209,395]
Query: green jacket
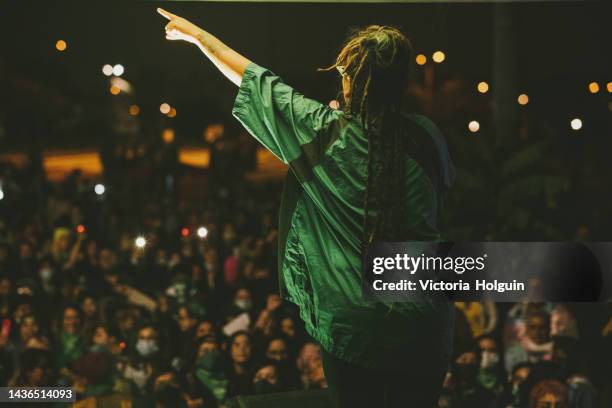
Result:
[320,226]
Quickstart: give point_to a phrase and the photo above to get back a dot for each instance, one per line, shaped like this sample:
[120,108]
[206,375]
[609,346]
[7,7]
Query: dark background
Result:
[528,178]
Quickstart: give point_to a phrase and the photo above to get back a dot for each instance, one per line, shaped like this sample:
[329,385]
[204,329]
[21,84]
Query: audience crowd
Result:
[132,293]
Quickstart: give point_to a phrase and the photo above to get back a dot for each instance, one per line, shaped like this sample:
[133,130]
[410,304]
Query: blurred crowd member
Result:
[549,394]
[534,342]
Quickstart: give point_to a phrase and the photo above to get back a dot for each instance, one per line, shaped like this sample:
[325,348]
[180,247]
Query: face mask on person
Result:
[489,359]
[265,387]
[146,347]
[211,361]
[243,304]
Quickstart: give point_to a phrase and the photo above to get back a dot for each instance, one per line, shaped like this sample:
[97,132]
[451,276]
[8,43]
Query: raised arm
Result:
[229,62]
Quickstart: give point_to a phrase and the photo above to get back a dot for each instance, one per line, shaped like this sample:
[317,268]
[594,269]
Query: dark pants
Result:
[353,386]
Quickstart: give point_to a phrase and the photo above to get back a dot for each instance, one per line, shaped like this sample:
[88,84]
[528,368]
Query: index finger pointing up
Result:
[165,13]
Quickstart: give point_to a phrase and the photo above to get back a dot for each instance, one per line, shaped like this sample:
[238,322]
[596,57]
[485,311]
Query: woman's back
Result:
[321,222]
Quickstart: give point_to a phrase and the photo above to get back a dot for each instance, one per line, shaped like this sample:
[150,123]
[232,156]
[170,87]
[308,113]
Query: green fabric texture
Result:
[320,226]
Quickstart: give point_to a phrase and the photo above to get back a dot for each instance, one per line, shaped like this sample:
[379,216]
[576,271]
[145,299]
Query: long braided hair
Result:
[378,61]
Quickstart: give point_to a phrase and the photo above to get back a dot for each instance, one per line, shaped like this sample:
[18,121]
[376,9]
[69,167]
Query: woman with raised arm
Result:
[368,172]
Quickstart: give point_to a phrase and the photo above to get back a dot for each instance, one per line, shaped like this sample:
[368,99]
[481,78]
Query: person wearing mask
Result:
[243,303]
[144,365]
[210,372]
[491,373]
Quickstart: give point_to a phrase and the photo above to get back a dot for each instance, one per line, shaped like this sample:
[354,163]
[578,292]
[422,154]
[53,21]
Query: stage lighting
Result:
[593,87]
[164,108]
[523,99]
[184,232]
[107,70]
[118,70]
[202,232]
[80,228]
[576,124]
[421,59]
[438,57]
[140,242]
[99,189]
[483,87]
[474,126]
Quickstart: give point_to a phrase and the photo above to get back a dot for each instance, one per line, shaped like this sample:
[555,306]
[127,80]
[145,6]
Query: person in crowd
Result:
[310,366]
[491,375]
[145,363]
[563,321]
[549,394]
[35,369]
[241,364]
[210,371]
[464,383]
[516,390]
[267,378]
[571,360]
[534,342]
[70,344]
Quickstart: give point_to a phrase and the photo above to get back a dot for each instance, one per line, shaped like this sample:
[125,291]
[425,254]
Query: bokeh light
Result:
[140,242]
[168,135]
[202,232]
[107,70]
[523,99]
[483,87]
[164,108]
[172,113]
[593,87]
[474,126]
[115,90]
[134,110]
[576,124]
[118,70]
[99,189]
[438,56]
[61,45]
[421,59]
